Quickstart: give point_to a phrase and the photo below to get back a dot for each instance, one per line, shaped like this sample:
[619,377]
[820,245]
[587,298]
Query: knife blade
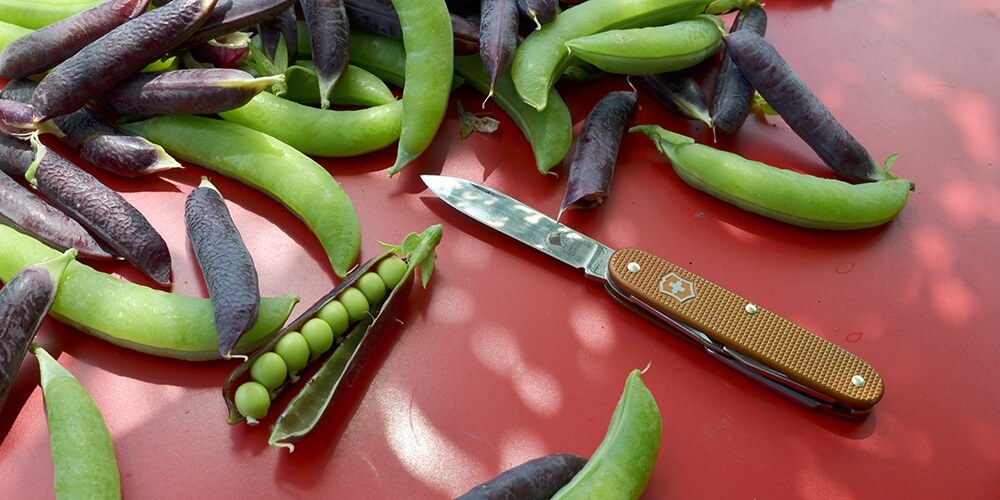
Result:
[757,342]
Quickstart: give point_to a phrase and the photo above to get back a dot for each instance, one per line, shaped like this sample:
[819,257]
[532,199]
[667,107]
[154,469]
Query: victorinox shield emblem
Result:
[679,288]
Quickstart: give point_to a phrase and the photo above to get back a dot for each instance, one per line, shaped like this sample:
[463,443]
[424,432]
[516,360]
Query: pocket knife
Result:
[770,349]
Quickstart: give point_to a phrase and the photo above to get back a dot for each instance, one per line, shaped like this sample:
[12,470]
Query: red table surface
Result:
[508,355]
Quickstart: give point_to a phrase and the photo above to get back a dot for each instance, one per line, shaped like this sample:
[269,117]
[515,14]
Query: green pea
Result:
[355,302]
[778,193]
[318,335]
[321,132]
[305,187]
[372,286]
[335,315]
[391,270]
[622,464]
[252,400]
[294,350]
[83,453]
[269,370]
[651,50]
[429,44]
[543,55]
[135,316]
[549,131]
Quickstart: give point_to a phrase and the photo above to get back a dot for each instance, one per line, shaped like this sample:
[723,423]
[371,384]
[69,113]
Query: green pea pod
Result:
[549,131]
[429,44]
[83,454]
[34,14]
[321,132]
[356,86]
[384,57]
[269,165]
[622,464]
[10,32]
[543,56]
[135,316]
[780,194]
[655,49]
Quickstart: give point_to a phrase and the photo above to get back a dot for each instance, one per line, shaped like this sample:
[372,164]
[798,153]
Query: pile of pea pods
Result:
[215,82]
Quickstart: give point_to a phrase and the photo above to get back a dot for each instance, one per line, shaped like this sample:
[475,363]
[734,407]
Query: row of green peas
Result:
[293,352]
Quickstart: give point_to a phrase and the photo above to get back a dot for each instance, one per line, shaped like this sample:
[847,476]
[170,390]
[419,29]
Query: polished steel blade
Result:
[523,223]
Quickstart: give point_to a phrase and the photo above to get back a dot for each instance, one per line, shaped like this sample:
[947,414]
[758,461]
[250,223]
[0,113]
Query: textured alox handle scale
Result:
[747,328]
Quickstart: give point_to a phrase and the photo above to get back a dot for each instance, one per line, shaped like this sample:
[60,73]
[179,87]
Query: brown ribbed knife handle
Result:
[747,328]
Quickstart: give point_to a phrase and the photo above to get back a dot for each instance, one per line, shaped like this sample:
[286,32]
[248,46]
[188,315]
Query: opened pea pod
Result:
[336,334]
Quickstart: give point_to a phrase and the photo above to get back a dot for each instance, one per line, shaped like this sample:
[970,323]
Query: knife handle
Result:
[749,330]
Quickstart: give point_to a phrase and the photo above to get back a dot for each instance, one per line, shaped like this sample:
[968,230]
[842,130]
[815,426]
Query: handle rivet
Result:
[858,381]
[751,309]
[633,267]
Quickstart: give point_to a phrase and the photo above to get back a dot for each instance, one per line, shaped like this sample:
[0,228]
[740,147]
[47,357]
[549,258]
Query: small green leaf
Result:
[471,122]
[418,250]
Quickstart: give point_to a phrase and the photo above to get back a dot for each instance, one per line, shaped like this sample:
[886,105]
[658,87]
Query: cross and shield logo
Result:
[677,287]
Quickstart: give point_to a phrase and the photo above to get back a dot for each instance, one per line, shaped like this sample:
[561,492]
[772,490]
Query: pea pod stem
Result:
[135,316]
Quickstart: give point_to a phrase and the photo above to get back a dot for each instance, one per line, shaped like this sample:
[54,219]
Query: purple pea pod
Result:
[229,51]
[539,11]
[466,33]
[117,55]
[497,37]
[185,91]
[24,302]
[329,35]
[28,213]
[679,93]
[733,93]
[379,16]
[284,25]
[230,16]
[17,119]
[101,210]
[15,155]
[50,45]
[98,141]
[592,163]
[225,264]
[538,478]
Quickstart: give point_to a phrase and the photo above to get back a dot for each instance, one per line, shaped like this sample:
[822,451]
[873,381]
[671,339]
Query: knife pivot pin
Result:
[633,267]
[751,309]
[858,381]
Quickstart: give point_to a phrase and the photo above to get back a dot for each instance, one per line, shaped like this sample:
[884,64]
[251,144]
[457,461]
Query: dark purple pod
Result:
[497,37]
[184,91]
[17,119]
[225,264]
[804,113]
[329,35]
[28,213]
[465,30]
[733,93]
[679,93]
[117,55]
[230,16]
[103,211]
[15,156]
[50,45]
[229,51]
[24,302]
[284,25]
[536,479]
[98,141]
[595,151]
[539,11]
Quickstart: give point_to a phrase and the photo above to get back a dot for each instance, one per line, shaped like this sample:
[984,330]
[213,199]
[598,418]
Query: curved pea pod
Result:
[185,91]
[321,132]
[25,211]
[593,161]
[101,210]
[39,13]
[650,50]
[497,37]
[804,113]
[384,57]
[115,56]
[249,156]
[225,263]
[780,194]
[229,16]
[549,131]
[622,464]
[50,45]
[357,335]
[541,58]
[329,37]
[98,141]
[24,301]
[536,479]
[135,316]
[678,92]
[539,11]
[83,453]
[357,87]
[733,93]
